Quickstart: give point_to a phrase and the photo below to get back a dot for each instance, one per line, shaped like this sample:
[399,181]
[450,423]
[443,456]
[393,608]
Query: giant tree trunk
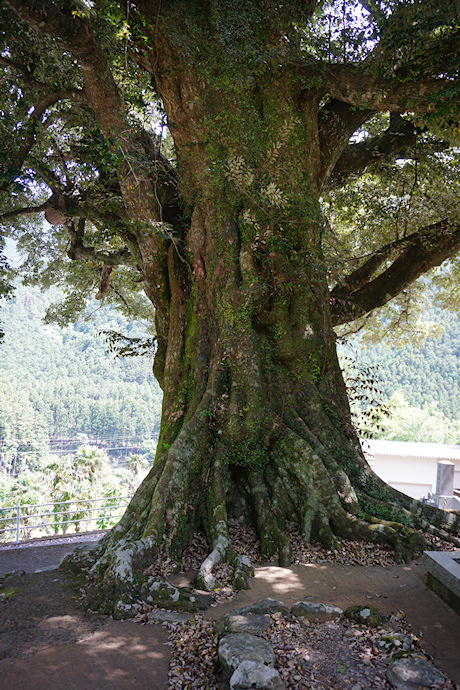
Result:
[255,414]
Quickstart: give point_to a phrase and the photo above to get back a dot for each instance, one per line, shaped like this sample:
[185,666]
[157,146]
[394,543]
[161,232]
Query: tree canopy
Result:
[387,74]
[308,178]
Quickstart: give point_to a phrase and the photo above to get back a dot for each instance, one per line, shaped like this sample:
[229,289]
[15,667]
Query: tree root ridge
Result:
[384,502]
[190,489]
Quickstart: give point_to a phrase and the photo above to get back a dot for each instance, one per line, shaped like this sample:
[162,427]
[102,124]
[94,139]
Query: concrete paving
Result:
[41,554]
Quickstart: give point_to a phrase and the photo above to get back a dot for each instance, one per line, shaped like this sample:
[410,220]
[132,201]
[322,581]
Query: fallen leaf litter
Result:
[335,655]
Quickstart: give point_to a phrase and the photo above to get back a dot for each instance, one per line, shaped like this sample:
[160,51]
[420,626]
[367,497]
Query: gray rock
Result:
[267,606]
[364,615]
[160,593]
[250,674]
[412,673]
[315,612]
[125,608]
[394,641]
[160,590]
[242,623]
[162,616]
[239,647]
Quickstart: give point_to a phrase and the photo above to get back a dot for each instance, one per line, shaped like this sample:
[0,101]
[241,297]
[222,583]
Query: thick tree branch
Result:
[357,157]
[415,255]
[356,97]
[140,197]
[337,122]
[78,251]
[349,84]
[25,211]
[55,208]
[362,275]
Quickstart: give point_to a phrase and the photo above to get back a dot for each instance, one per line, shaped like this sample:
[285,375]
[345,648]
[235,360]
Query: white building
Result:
[410,467]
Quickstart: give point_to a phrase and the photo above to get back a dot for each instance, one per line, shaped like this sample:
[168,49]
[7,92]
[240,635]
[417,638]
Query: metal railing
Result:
[24,522]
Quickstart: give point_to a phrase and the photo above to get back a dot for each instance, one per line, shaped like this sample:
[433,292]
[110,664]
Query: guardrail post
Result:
[18,517]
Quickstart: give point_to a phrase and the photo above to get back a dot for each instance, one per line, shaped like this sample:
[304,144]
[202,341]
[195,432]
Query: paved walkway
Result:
[123,655]
[41,554]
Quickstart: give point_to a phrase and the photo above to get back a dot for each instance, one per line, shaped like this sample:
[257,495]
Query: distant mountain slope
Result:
[64,382]
[424,375]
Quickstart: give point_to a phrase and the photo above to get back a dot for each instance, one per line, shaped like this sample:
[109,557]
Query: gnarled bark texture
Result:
[255,414]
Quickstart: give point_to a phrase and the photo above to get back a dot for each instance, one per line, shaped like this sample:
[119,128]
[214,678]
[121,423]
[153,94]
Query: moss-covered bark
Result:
[255,414]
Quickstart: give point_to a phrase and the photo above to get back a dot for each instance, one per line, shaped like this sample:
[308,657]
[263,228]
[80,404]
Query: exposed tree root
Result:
[189,489]
[218,535]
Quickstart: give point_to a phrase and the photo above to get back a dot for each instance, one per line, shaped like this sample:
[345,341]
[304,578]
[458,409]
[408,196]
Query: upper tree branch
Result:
[140,197]
[24,211]
[36,116]
[28,79]
[337,122]
[356,96]
[78,250]
[415,255]
[349,84]
[49,99]
[400,135]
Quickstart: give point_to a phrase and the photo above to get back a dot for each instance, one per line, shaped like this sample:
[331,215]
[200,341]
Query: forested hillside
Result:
[60,388]
[424,375]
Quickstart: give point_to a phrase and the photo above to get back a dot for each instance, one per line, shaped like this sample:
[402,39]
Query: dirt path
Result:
[46,642]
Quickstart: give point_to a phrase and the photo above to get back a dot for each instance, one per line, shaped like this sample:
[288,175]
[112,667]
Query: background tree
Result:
[228,237]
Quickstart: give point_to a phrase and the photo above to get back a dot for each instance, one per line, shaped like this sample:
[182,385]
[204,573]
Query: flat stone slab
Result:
[315,612]
[239,647]
[443,576]
[251,623]
[445,566]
